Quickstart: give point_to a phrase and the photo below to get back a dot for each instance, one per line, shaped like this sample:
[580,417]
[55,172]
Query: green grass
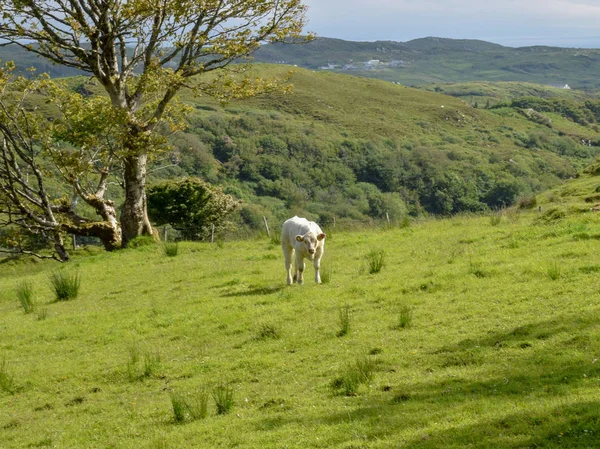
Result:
[66,285]
[25,296]
[507,360]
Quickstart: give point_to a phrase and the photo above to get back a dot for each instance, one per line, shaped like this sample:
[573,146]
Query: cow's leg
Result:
[288,252]
[317,264]
[299,277]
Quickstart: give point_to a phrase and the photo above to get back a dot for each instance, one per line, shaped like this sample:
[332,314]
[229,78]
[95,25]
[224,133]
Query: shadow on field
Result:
[522,335]
[254,291]
[521,397]
[570,427]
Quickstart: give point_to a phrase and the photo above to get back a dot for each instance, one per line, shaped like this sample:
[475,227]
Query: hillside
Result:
[439,60]
[481,332]
[351,148]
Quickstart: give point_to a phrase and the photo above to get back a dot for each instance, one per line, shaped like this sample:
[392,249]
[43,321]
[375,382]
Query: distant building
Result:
[566,86]
[329,66]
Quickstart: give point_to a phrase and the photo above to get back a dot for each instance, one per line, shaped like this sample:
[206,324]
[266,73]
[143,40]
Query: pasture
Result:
[477,332]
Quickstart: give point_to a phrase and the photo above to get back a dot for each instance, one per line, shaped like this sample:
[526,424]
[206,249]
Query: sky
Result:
[513,23]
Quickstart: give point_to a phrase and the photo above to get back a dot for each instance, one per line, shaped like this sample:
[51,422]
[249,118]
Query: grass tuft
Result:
[405,316]
[344,320]
[376,260]
[268,331]
[171,249]
[25,296]
[192,407]
[7,380]
[360,372]
[554,271]
[66,286]
[223,396]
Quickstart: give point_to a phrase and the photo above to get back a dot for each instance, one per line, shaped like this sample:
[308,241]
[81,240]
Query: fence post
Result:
[212,234]
[267,226]
[387,216]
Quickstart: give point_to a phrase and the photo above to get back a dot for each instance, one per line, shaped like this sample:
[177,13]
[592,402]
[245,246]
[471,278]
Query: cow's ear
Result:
[299,238]
[321,236]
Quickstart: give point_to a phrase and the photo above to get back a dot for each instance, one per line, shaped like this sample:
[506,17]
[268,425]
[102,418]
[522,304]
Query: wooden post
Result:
[212,235]
[267,226]
[387,216]
[165,234]
[334,221]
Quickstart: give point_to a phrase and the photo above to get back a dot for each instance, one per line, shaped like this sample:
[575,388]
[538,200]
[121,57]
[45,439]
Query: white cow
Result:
[306,239]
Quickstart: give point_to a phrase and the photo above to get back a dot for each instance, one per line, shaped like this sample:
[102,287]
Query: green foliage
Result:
[190,206]
[66,285]
[141,241]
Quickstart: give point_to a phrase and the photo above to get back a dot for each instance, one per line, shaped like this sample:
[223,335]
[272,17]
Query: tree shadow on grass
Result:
[525,401]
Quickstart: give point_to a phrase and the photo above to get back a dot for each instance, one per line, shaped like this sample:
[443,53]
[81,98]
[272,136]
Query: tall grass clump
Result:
[142,365]
[554,271]
[66,286]
[376,260]
[179,407]
[7,380]
[360,372]
[496,218]
[25,296]
[171,249]
[192,407]
[223,396]
[344,320]
[268,331]
[405,316]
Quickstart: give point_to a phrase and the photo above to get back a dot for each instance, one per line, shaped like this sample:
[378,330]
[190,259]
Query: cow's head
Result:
[310,241]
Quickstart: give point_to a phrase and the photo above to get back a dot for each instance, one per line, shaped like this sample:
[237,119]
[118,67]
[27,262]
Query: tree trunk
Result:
[134,216]
[59,246]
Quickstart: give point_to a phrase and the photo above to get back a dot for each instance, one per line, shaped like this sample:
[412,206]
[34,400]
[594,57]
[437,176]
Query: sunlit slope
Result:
[500,349]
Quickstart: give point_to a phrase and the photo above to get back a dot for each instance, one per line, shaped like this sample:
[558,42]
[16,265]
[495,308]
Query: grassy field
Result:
[479,331]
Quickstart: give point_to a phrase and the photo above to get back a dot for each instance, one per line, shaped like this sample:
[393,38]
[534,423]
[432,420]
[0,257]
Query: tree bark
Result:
[134,216]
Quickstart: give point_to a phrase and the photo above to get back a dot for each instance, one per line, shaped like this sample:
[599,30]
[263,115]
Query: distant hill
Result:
[416,62]
[439,60]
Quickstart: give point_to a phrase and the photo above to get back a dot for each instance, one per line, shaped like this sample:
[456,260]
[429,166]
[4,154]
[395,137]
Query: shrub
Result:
[25,296]
[526,202]
[141,241]
[191,206]
[66,286]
